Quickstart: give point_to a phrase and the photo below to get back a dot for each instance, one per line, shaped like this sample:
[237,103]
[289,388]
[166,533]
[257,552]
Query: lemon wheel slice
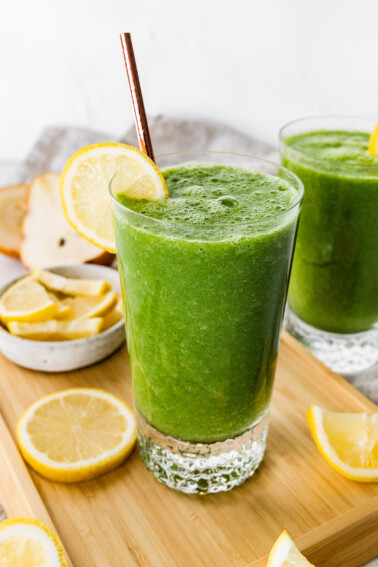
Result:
[30,543]
[348,442]
[284,553]
[28,301]
[77,434]
[373,141]
[84,187]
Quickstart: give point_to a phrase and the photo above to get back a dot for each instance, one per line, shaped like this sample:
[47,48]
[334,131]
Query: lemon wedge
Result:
[64,311]
[85,307]
[84,187]
[77,434]
[348,442]
[27,300]
[112,317]
[54,330]
[28,542]
[284,553]
[373,141]
[70,286]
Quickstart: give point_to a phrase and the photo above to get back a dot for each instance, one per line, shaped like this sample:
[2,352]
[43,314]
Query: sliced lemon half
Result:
[348,442]
[28,542]
[27,300]
[84,187]
[77,434]
[284,553]
[373,141]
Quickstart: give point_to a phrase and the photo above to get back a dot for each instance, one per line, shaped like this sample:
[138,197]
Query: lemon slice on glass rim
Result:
[84,187]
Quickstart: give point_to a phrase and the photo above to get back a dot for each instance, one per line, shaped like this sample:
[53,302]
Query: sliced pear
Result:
[57,330]
[70,286]
[48,239]
[13,206]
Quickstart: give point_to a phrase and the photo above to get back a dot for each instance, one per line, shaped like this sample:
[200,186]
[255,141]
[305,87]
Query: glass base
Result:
[344,354]
[200,467]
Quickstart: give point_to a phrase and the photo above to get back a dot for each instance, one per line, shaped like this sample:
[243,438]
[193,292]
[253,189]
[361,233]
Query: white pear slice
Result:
[48,239]
[12,211]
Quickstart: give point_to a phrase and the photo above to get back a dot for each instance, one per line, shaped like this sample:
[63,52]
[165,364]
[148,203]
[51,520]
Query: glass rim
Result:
[258,221]
[346,165]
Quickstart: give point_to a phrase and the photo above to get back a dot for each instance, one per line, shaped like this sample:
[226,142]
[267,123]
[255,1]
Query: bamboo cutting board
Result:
[127,519]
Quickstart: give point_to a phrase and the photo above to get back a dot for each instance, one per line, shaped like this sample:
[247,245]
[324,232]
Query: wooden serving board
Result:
[127,519]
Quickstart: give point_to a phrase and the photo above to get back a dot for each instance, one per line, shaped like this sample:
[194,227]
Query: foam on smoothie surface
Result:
[334,148]
[207,194]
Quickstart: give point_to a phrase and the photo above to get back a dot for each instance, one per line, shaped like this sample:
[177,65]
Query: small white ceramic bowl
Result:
[63,356]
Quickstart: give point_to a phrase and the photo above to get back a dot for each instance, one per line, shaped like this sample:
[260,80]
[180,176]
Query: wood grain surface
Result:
[127,519]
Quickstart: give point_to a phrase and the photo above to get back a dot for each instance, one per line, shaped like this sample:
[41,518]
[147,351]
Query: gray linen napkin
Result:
[56,144]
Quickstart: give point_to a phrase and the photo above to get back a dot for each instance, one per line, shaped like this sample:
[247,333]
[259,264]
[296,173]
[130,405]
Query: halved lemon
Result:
[84,187]
[70,286]
[26,542]
[54,330]
[77,434]
[373,141]
[284,553]
[348,441]
[27,300]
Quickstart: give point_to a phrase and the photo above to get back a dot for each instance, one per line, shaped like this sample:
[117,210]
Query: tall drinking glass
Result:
[204,278]
[333,294]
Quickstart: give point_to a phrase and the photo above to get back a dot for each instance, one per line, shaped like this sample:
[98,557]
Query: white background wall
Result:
[254,64]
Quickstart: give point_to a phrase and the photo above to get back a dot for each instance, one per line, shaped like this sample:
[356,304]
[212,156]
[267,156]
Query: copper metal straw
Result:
[136,96]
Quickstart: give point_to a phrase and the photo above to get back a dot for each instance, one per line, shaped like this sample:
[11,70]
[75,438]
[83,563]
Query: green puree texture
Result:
[334,282]
[204,299]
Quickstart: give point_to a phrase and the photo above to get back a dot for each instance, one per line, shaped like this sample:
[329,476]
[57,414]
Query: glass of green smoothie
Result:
[204,275]
[333,294]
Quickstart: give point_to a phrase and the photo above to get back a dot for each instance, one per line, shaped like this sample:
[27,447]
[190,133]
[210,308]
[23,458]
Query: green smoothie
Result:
[334,282]
[204,276]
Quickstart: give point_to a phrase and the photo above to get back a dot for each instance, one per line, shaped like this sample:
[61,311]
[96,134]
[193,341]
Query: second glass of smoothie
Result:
[205,276]
[333,294]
